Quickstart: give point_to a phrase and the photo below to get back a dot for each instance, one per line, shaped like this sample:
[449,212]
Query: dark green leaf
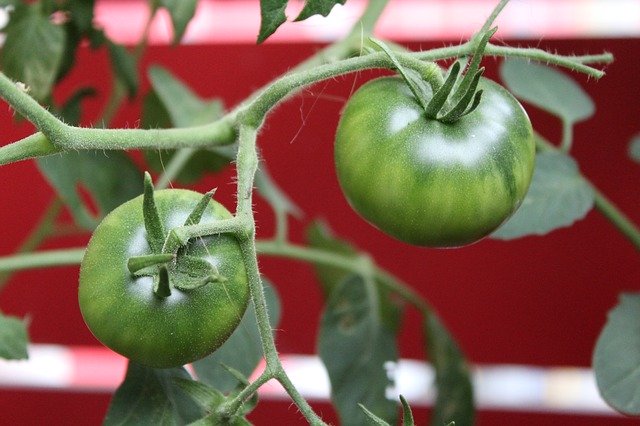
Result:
[558,196]
[616,358]
[634,149]
[13,338]
[70,111]
[81,14]
[271,17]
[358,349]
[181,12]
[151,396]
[548,89]
[33,51]
[124,67]
[455,392]
[317,7]
[109,177]
[204,395]
[245,340]
[319,236]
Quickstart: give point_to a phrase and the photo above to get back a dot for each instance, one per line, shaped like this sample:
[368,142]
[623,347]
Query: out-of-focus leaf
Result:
[245,340]
[318,235]
[616,359]
[70,111]
[181,12]
[358,351]
[558,197]
[317,7]
[455,391]
[13,338]
[271,17]
[634,149]
[548,89]
[124,66]
[271,192]
[109,177]
[151,397]
[172,103]
[33,50]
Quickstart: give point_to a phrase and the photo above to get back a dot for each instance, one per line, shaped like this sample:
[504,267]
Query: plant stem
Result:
[43,259]
[43,228]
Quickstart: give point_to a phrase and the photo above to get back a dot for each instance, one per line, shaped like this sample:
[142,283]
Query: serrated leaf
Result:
[110,178]
[548,89]
[124,67]
[634,149]
[558,197]
[151,397]
[181,12]
[317,7]
[357,350]
[13,338]
[271,17]
[453,382]
[245,340]
[33,50]
[616,359]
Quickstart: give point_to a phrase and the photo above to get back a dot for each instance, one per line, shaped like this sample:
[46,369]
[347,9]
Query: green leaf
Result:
[109,177]
[558,197]
[319,236]
[201,393]
[245,340]
[151,396]
[357,349]
[33,51]
[81,14]
[172,103]
[124,67]
[548,89]
[13,338]
[181,12]
[317,7]
[634,148]
[616,359]
[183,106]
[455,391]
[271,17]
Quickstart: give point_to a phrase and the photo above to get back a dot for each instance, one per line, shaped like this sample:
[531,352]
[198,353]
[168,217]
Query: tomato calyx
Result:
[171,270]
[458,96]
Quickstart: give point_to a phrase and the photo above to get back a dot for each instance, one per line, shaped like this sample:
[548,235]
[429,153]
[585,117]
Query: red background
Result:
[538,300]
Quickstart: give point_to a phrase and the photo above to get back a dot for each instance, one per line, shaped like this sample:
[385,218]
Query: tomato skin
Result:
[123,312]
[426,182]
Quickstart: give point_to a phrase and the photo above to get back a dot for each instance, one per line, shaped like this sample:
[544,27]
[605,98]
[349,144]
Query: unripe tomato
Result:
[431,183]
[122,310]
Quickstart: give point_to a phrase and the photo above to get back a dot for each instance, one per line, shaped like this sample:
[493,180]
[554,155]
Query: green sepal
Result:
[152,223]
[460,109]
[161,287]
[407,415]
[194,266]
[198,211]
[137,263]
[440,97]
[191,283]
[474,65]
[375,420]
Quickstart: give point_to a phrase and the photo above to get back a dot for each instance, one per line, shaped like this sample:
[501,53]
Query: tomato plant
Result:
[428,182]
[208,290]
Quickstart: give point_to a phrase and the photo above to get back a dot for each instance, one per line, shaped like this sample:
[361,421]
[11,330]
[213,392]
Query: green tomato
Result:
[122,310]
[430,183]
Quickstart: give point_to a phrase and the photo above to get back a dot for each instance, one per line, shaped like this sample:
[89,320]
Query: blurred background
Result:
[533,307]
